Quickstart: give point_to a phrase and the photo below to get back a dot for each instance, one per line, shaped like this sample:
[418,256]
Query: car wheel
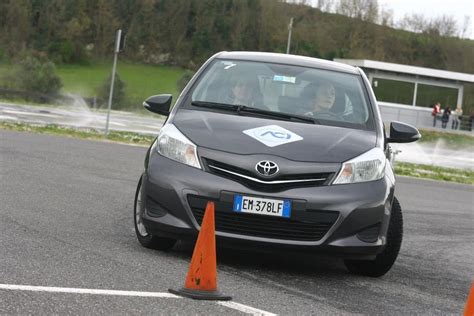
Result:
[146,239]
[384,260]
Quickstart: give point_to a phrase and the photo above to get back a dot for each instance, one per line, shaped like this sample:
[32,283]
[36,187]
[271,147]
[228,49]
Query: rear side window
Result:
[333,98]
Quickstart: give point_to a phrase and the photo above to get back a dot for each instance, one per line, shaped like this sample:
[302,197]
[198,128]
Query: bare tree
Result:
[301,2]
[464,30]
[386,17]
[444,25]
[325,5]
[414,23]
[366,10]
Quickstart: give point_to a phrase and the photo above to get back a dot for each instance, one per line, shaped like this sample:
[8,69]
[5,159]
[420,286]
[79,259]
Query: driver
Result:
[320,99]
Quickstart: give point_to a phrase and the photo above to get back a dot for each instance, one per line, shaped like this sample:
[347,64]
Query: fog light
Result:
[154,209]
[369,234]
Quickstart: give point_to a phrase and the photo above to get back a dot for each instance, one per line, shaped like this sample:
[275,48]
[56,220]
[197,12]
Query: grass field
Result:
[434,173]
[141,80]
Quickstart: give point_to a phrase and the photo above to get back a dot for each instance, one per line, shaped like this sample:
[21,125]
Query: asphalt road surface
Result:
[66,222]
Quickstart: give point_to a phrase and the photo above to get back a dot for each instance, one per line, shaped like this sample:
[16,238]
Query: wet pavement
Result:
[79,115]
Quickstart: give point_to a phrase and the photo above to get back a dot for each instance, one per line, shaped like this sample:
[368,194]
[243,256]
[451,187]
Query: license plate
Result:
[262,206]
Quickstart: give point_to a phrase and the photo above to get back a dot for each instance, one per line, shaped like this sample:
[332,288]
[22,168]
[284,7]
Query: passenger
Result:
[244,92]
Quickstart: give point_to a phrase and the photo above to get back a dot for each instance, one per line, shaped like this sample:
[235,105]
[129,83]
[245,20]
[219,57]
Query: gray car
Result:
[291,149]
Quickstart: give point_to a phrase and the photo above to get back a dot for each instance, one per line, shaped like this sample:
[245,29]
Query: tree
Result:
[366,10]
[104,24]
[119,99]
[464,31]
[15,26]
[183,81]
[38,75]
[445,25]
[325,5]
[386,17]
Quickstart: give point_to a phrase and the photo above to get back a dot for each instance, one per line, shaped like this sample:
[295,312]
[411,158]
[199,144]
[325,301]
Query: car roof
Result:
[288,59]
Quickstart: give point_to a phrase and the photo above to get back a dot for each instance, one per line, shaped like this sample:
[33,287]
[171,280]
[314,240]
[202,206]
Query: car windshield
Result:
[327,97]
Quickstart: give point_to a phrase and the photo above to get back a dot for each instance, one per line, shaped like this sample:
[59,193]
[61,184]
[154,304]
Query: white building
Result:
[407,93]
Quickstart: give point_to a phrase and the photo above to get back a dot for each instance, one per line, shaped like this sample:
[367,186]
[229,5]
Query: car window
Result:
[333,98]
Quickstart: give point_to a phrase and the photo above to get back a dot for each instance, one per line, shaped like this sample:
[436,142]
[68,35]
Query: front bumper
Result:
[343,217]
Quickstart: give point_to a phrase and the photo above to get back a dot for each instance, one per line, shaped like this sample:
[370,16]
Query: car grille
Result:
[278,184]
[263,225]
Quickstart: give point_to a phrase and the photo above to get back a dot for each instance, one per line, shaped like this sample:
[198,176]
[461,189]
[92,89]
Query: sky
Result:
[433,8]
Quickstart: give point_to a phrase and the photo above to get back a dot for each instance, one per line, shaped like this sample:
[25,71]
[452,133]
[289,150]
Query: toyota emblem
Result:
[266,168]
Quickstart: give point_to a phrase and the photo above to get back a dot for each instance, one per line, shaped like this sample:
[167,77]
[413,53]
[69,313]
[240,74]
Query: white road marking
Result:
[51,289]
[31,113]
[138,131]
[7,117]
[246,309]
[117,123]
[84,291]
[153,126]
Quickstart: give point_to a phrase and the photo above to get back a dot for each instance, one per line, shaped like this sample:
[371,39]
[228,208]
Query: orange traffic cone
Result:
[469,310]
[201,281]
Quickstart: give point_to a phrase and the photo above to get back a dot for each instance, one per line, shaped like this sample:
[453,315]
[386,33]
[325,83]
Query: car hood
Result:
[306,142]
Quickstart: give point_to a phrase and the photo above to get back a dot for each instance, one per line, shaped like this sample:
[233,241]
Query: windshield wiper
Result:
[215,105]
[240,108]
[281,115]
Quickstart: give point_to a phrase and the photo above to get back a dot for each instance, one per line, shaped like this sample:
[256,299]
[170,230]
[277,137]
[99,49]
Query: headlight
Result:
[369,166]
[174,145]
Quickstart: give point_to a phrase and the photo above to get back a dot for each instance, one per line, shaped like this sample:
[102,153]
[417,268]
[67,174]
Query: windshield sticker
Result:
[285,79]
[272,135]
[228,64]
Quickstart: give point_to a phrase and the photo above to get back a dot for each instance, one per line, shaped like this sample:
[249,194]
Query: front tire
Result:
[384,261]
[146,239]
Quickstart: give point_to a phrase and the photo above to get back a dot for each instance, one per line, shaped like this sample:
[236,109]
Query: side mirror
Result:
[403,133]
[159,104]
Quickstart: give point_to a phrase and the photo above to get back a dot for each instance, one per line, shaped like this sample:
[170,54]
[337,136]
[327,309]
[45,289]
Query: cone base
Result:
[200,294]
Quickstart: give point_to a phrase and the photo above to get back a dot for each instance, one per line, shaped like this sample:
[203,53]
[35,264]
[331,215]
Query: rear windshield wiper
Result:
[248,109]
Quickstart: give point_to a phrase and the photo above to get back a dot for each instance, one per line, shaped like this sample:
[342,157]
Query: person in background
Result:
[434,113]
[456,118]
[445,117]
[471,121]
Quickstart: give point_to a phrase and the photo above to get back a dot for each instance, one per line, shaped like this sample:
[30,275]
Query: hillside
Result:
[186,32]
